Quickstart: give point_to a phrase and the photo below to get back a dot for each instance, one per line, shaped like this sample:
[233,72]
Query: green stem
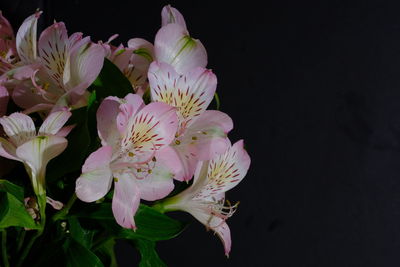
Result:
[28,247]
[21,240]
[62,213]
[4,248]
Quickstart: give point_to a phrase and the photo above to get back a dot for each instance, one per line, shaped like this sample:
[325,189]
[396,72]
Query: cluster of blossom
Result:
[144,148]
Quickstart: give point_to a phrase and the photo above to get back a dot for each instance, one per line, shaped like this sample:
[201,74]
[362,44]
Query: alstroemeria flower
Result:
[8,52]
[201,133]
[135,154]
[134,62]
[57,69]
[205,198]
[34,149]
[174,45]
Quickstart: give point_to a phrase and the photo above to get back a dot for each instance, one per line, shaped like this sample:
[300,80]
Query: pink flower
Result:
[8,52]
[135,153]
[205,199]
[34,149]
[56,70]
[201,133]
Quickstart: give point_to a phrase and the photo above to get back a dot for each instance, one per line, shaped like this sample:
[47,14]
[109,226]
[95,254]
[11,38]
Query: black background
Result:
[314,90]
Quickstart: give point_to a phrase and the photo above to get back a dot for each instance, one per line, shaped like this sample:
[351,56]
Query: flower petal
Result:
[19,128]
[209,134]
[225,171]
[131,104]
[8,150]
[24,97]
[126,200]
[174,46]
[159,183]
[96,178]
[26,38]
[54,52]
[54,122]
[6,30]
[85,65]
[190,93]
[3,100]
[188,161]
[37,152]
[106,120]
[172,15]
[151,128]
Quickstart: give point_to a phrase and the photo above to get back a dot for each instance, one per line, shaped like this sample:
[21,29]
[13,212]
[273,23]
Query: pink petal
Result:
[53,51]
[224,233]
[26,38]
[172,15]
[131,105]
[8,150]
[19,128]
[3,100]
[86,64]
[225,171]
[54,122]
[151,128]
[160,183]
[25,98]
[96,178]
[6,30]
[188,160]
[107,121]
[209,134]
[126,200]
[190,93]
[174,46]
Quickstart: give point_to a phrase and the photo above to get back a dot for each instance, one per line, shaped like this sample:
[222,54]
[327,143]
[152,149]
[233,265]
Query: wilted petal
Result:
[26,39]
[225,171]
[190,93]
[3,100]
[126,200]
[96,178]
[19,128]
[174,46]
[172,15]
[54,122]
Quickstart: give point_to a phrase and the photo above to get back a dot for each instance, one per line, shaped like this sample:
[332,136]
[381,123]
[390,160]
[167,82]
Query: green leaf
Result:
[12,208]
[151,224]
[81,235]
[111,82]
[107,254]
[148,253]
[79,256]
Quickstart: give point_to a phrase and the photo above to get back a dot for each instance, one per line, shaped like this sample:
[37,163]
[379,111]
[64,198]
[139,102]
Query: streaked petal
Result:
[131,104]
[26,38]
[3,100]
[172,15]
[174,46]
[151,128]
[19,128]
[190,93]
[126,200]
[54,122]
[96,178]
[225,171]
[53,51]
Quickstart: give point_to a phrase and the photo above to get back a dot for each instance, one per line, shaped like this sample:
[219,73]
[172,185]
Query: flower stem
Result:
[21,240]
[62,213]
[4,248]
[28,247]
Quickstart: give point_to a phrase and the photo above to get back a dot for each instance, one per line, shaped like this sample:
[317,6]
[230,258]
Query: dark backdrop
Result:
[314,90]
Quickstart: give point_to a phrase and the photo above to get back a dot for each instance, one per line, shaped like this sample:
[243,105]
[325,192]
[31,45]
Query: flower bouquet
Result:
[99,142]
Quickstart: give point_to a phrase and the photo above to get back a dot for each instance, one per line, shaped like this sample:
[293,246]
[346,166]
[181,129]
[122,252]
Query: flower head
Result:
[34,149]
[205,199]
